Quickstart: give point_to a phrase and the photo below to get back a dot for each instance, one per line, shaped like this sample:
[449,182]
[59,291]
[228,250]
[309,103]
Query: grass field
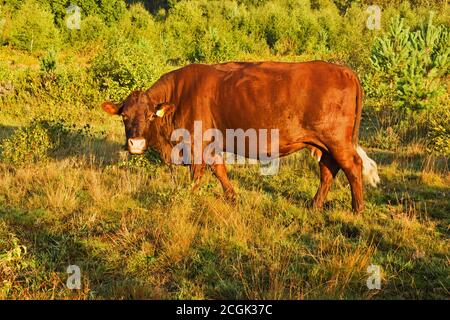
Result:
[69,195]
[140,233]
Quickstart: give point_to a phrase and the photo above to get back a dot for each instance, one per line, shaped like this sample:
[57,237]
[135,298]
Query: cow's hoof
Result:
[359,209]
[316,206]
[231,198]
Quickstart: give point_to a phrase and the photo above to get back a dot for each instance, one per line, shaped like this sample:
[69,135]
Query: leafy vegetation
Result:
[70,195]
[409,65]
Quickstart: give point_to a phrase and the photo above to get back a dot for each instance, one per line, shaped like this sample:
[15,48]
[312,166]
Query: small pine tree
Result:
[408,66]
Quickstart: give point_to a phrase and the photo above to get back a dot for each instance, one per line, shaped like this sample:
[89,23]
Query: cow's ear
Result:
[164,108]
[111,108]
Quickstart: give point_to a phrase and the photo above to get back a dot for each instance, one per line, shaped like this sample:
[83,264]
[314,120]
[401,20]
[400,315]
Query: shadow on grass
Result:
[6,131]
[416,161]
[271,186]
[297,181]
[98,151]
[54,251]
[417,198]
[410,191]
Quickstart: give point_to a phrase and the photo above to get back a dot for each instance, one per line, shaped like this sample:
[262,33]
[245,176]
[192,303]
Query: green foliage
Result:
[408,66]
[41,139]
[130,59]
[149,160]
[26,145]
[125,65]
[91,28]
[3,19]
[6,85]
[32,28]
[109,11]
[48,62]
[197,32]
[61,87]
[83,196]
[139,23]
[387,139]
[204,31]
[344,5]
[439,132]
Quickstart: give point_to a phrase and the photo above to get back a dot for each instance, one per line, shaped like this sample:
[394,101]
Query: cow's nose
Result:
[136,145]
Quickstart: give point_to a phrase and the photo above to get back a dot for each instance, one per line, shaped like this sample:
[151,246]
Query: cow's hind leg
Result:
[220,171]
[328,170]
[350,162]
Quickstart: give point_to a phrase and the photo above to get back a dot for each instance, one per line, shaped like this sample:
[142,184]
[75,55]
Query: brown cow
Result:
[315,105]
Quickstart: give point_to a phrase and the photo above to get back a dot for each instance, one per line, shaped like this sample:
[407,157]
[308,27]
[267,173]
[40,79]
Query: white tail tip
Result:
[369,171]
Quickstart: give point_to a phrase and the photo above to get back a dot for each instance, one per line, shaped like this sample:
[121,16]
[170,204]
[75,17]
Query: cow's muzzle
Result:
[136,145]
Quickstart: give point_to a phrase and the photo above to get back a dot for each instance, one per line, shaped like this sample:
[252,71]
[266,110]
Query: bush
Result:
[125,65]
[32,28]
[92,28]
[149,160]
[56,83]
[191,30]
[109,11]
[386,139]
[408,66]
[439,132]
[138,23]
[48,62]
[41,139]
[26,145]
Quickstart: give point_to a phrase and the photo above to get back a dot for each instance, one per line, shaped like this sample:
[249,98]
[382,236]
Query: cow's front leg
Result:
[197,172]
[220,171]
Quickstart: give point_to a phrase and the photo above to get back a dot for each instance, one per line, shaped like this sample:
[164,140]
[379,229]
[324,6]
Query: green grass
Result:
[141,233]
[134,227]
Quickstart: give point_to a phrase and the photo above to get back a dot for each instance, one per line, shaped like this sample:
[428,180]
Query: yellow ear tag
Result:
[160,112]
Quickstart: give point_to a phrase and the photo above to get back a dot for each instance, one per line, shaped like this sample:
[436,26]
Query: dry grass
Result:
[140,233]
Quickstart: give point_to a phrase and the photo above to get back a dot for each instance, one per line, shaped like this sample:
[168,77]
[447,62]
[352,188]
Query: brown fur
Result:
[316,105]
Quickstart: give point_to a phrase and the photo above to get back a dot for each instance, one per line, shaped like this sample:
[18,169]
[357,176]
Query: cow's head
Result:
[138,112]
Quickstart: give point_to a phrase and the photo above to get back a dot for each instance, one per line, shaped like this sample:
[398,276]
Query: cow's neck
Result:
[162,91]
[160,138]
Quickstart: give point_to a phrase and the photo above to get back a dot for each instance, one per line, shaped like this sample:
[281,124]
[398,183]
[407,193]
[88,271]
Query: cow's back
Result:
[281,95]
[302,100]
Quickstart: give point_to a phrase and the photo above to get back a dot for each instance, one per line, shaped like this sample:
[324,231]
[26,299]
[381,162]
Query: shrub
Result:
[28,144]
[384,139]
[126,65]
[408,66]
[48,62]
[92,28]
[3,24]
[109,11]
[149,160]
[41,139]
[139,23]
[32,28]
[6,85]
[57,82]
[439,132]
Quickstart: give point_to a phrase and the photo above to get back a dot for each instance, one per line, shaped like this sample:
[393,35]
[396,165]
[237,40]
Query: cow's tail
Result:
[369,166]
[358,112]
